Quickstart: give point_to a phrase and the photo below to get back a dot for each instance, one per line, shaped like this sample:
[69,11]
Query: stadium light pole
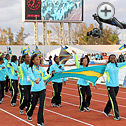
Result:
[49,34]
[36,32]
[43,39]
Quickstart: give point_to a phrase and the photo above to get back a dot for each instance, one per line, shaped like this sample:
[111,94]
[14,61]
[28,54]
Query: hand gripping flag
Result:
[89,73]
[64,55]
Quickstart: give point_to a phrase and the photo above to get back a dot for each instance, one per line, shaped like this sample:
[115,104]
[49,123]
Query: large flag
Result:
[37,51]
[89,73]
[64,55]
[9,51]
[122,47]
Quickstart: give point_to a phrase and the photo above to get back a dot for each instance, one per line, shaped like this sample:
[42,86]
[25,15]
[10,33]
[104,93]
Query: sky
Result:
[11,16]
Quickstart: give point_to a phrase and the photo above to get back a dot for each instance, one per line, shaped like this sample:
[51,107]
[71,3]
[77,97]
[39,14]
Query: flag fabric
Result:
[64,55]
[24,51]
[9,51]
[32,52]
[37,51]
[89,73]
[122,47]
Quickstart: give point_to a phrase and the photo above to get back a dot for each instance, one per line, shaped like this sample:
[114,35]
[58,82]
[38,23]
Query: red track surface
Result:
[68,114]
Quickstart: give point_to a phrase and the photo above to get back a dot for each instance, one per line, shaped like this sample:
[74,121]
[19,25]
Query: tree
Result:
[3,38]
[54,43]
[40,43]
[48,36]
[7,37]
[10,36]
[110,36]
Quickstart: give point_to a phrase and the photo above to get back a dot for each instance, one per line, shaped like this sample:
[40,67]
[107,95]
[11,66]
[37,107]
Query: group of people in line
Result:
[27,77]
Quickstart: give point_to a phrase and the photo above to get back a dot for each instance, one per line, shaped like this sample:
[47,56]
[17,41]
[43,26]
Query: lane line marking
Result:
[60,115]
[16,117]
[91,99]
[91,92]
[90,108]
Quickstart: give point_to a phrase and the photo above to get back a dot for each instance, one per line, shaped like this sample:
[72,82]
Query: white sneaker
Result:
[53,105]
[21,112]
[29,118]
[42,124]
[1,102]
[58,105]
[106,114]
[2,99]
[87,109]
[13,104]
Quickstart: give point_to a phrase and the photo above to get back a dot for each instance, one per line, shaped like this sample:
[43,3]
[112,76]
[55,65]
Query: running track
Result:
[68,114]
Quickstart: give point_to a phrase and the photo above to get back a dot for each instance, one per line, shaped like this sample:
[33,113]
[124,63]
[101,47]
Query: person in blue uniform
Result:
[112,84]
[38,89]
[6,61]
[25,83]
[50,63]
[13,75]
[83,85]
[2,79]
[57,83]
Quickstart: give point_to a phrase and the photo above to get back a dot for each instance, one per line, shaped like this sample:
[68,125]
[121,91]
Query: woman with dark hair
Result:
[38,89]
[13,75]
[83,85]
[86,56]
[112,84]
[57,83]
[24,83]
[2,79]
[6,61]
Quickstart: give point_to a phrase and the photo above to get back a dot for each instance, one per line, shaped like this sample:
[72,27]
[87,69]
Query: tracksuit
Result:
[2,80]
[7,78]
[24,86]
[57,83]
[112,85]
[13,80]
[83,88]
[37,91]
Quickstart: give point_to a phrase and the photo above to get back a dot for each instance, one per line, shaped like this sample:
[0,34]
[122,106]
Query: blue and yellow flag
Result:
[32,52]
[89,73]
[37,51]
[24,51]
[9,51]
[64,55]
[122,47]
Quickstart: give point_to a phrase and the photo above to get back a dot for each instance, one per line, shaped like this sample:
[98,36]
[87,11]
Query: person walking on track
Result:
[57,83]
[13,75]
[25,84]
[38,89]
[83,85]
[112,84]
